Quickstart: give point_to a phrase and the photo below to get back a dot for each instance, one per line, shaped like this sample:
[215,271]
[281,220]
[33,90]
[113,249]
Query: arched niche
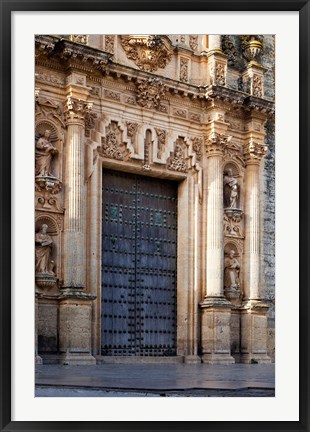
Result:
[232,186]
[55,138]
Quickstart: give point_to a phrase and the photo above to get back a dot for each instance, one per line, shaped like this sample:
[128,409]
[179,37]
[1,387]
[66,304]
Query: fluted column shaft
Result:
[252,252]
[215,241]
[74,223]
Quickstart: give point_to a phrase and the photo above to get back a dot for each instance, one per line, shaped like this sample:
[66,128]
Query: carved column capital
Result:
[254,152]
[80,112]
[215,144]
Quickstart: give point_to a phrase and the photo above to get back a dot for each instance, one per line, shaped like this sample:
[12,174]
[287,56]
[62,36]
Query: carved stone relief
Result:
[112,145]
[231,275]
[184,69]
[148,52]
[177,161]
[220,74]
[109,43]
[44,264]
[197,147]
[81,38]
[257,86]
[132,129]
[229,49]
[193,42]
[232,222]
[161,139]
[109,94]
[150,93]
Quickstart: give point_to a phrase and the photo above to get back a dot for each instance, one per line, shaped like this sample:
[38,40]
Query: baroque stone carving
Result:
[231,190]
[252,47]
[50,78]
[193,42]
[254,151]
[229,49]
[257,86]
[197,147]
[231,275]
[220,74]
[179,113]
[44,154]
[150,92]
[112,145]
[131,131]
[109,94]
[177,162]
[216,143]
[81,38]
[82,110]
[194,116]
[109,43]
[44,265]
[232,219]
[161,139]
[148,52]
[184,69]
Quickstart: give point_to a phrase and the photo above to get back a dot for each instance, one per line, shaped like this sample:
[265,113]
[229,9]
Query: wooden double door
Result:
[139,263]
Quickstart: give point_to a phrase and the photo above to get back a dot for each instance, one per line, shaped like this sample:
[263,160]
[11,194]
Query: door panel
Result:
[138,265]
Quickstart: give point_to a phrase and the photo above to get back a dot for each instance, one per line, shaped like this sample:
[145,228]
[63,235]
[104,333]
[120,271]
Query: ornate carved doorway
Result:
[139,256]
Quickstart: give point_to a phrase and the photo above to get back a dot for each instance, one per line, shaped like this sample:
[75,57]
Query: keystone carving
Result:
[148,52]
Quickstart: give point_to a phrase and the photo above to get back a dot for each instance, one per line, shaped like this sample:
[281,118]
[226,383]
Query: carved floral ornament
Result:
[148,52]
[150,93]
[112,145]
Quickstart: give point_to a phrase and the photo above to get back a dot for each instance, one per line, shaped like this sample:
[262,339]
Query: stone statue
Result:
[231,190]
[43,250]
[231,271]
[44,155]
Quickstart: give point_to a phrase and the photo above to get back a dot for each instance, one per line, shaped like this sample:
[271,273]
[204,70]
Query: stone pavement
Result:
[156,379]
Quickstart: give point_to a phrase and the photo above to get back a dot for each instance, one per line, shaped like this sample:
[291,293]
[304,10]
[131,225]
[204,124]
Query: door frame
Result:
[190,269]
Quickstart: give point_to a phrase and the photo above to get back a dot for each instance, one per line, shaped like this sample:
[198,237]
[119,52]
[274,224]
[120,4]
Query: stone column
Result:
[216,310]
[254,310]
[75,305]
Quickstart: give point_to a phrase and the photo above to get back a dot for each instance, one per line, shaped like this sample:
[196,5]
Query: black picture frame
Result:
[7,7]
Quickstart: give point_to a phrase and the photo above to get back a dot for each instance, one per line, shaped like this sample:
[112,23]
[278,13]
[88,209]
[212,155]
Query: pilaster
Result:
[253,311]
[216,310]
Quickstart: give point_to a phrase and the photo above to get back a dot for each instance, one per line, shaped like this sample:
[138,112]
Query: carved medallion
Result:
[148,52]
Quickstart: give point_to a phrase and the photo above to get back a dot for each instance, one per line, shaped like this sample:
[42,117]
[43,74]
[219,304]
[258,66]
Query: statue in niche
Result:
[231,190]
[43,250]
[231,271]
[44,155]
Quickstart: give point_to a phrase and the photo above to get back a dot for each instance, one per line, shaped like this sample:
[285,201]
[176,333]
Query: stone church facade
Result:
[154,195]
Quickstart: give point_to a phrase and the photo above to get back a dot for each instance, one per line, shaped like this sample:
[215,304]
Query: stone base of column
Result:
[38,360]
[77,359]
[192,359]
[215,331]
[254,332]
[75,327]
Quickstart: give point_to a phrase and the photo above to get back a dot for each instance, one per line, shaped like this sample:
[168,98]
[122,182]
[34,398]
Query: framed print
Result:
[161,215]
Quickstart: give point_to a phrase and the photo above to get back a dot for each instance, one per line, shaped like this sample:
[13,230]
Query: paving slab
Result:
[152,377]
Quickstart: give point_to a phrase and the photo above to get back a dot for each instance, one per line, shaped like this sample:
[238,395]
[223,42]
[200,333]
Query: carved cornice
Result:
[148,52]
[254,152]
[216,143]
[64,50]
[263,106]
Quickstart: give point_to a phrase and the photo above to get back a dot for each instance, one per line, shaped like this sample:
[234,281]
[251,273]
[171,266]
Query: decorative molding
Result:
[180,113]
[177,160]
[148,52]
[109,94]
[254,151]
[197,147]
[257,86]
[150,93]
[195,117]
[109,43]
[229,49]
[215,143]
[234,152]
[50,78]
[193,42]
[184,69]
[112,145]
[46,201]
[232,219]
